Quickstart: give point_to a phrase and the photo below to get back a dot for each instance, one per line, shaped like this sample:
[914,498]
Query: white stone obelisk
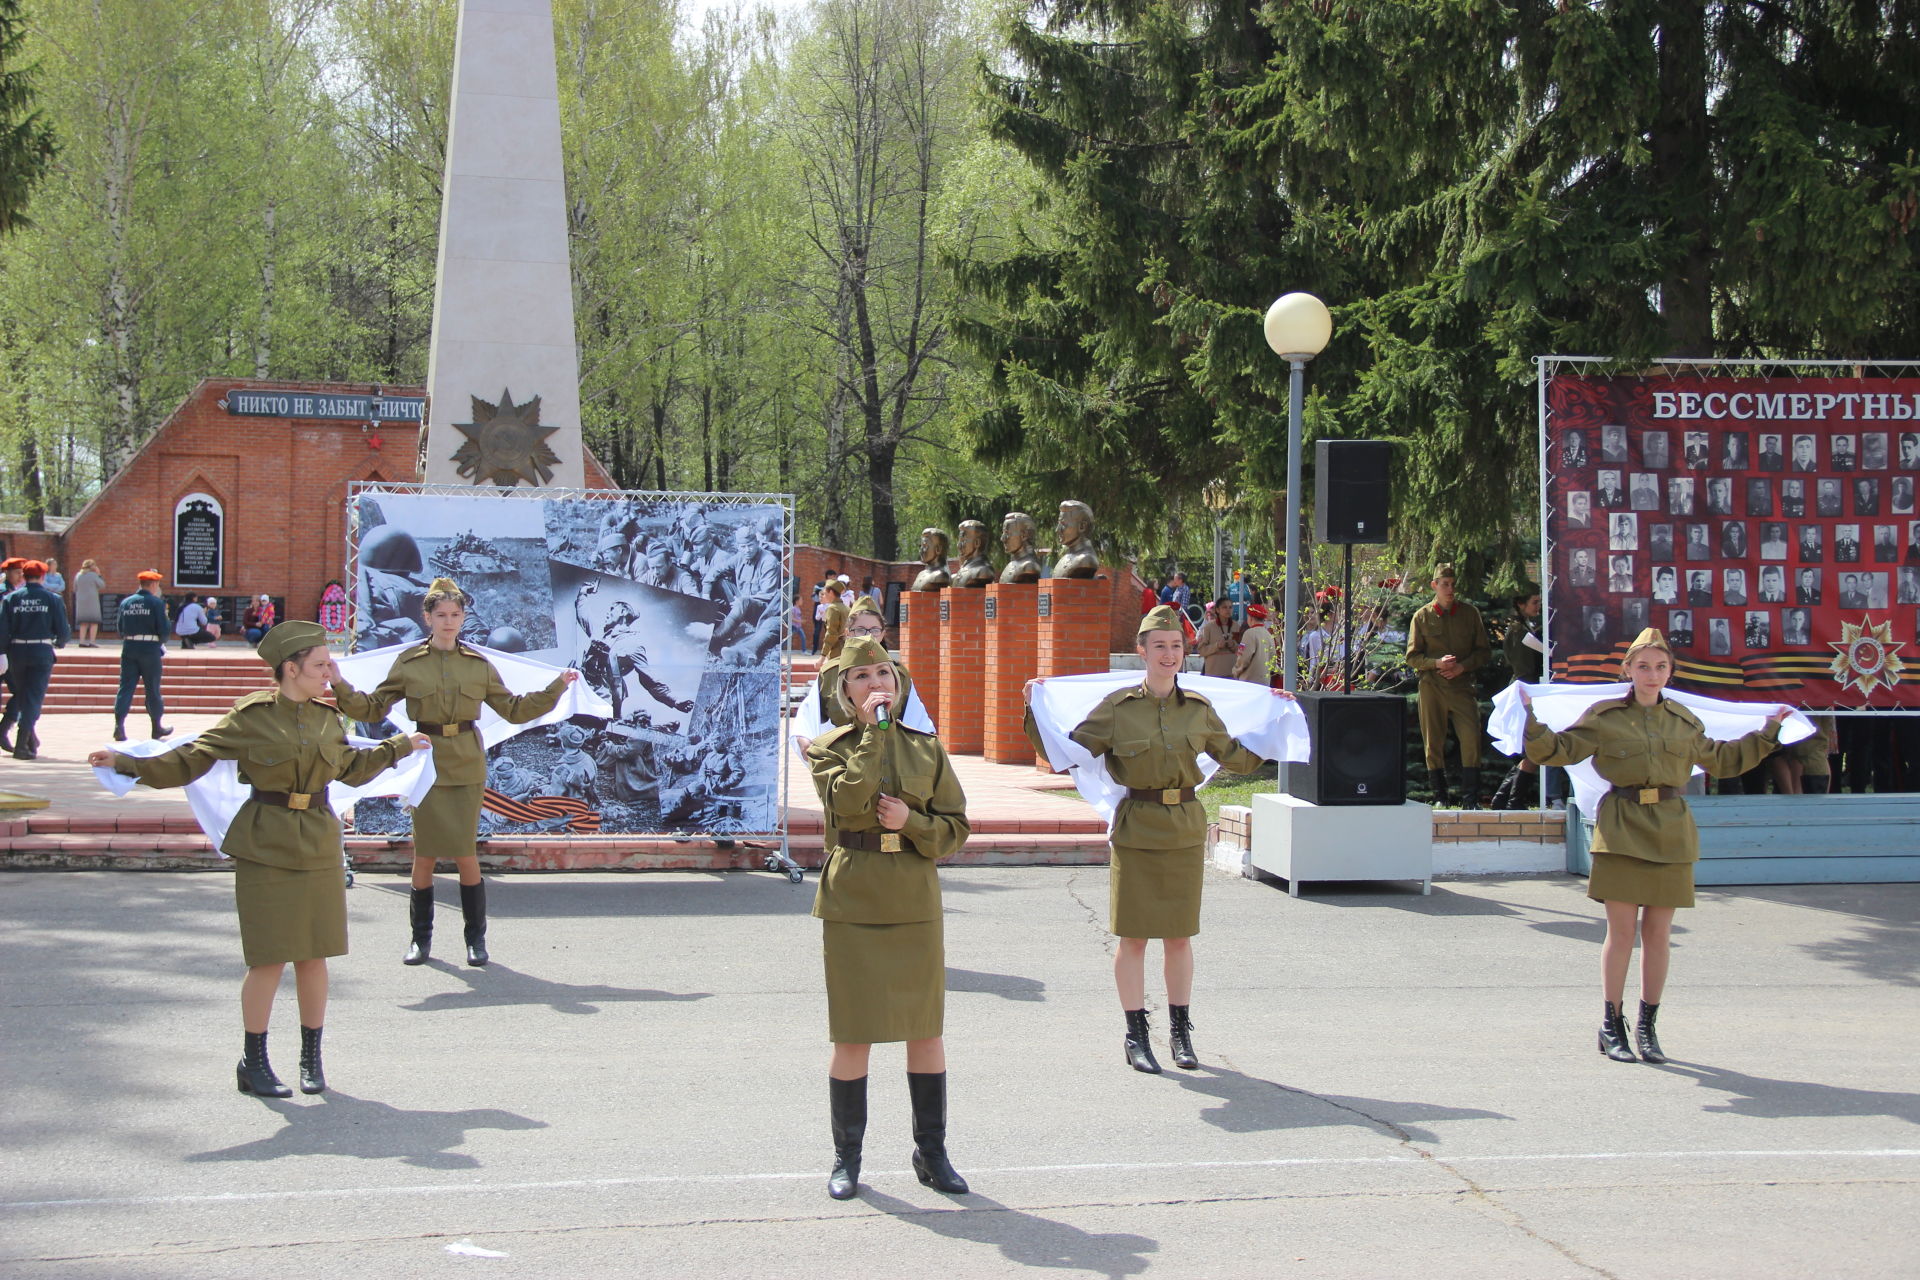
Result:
[503,295]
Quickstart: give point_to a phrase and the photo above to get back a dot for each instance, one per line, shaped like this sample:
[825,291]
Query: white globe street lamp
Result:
[1297,328]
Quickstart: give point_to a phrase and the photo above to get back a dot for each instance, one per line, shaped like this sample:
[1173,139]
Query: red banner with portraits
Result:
[1766,525]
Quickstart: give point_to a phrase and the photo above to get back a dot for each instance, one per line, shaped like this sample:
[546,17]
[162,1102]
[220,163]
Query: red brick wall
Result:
[919,646]
[282,484]
[1012,636]
[963,655]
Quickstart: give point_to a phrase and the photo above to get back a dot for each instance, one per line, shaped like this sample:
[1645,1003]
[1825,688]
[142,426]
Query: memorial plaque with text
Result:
[197,520]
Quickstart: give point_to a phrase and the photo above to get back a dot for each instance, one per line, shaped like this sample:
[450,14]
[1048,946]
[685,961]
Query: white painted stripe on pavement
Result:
[586,1184]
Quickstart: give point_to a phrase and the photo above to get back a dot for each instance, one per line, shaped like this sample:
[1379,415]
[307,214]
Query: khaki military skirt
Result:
[447,822]
[885,981]
[1619,877]
[1155,893]
[290,915]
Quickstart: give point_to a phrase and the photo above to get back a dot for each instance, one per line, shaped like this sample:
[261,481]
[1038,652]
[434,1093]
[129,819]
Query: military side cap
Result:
[445,587]
[1650,639]
[865,604]
[287,639]
[149,575]
[1162,617]
[862,651]
[1444,570]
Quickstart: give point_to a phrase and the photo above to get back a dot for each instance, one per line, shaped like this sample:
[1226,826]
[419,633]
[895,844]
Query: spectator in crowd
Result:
[55,581]
[258,619]
[1216,647]
[87,585]
[1179,594]
[214,619]
[1239,595]
[1254,658]
[190,624]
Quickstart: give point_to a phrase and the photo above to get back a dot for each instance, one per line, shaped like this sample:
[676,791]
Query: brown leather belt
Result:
[294,799]
[433,730]
[1160,795]
[1647,795]
[873,841]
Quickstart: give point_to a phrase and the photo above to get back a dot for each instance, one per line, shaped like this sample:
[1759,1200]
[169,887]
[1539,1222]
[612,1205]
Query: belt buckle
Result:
[890,842]
[1649,795]
[299,799]
[1172,796]
[448,730]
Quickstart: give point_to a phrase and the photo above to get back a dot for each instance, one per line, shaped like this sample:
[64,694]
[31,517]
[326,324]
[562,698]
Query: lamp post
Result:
[1219,502]
[1297,328]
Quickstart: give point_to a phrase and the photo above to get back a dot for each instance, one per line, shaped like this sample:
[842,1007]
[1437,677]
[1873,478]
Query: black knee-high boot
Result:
[254,1074]
[1138,1048]
[928,1089]
[1442,793]
[313,1077]
[848,1102]
[420,914]
[473,906]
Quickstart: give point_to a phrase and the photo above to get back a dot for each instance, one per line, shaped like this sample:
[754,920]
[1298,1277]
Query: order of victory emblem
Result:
[506,444]
[1866,656]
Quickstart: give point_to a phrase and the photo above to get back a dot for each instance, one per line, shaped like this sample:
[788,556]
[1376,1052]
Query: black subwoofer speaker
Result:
[1351,505]
[1359,750]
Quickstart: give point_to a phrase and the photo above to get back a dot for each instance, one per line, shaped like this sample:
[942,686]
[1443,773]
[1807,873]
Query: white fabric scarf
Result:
[365,671]
[1558,706]
[1272,727]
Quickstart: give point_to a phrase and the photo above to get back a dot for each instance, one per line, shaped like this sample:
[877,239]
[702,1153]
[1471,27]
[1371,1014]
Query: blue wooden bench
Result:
[1844,839]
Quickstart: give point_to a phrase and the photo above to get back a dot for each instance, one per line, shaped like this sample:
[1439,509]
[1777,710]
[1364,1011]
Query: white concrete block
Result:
[1299,842]
[1497,857]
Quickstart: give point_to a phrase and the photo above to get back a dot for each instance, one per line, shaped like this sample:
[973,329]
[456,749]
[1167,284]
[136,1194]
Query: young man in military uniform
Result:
[1446,643]
[33,623]
[143,641]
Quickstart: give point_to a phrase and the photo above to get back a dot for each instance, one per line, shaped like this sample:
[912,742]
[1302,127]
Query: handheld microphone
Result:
[881,719]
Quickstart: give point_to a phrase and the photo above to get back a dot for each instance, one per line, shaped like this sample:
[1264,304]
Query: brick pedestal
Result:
[1011,635]
[1072,630]
[963,651]
[919,647]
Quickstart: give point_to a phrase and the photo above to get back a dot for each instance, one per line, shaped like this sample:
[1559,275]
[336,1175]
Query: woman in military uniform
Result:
[1645,843]
[821,706]
[1152,735]
[893,808]
[444,683]
[288,884]
[833,638]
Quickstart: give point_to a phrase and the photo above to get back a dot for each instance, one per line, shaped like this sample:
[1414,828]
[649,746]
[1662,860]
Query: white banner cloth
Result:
[807,723]
[365,671]
[1272,727]
[1558,706]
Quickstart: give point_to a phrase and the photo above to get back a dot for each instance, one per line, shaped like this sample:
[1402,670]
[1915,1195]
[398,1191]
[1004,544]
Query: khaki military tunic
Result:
[1159,850]
[1431,636]
[1635,746]
[448,687]
[882,934]
[289,885]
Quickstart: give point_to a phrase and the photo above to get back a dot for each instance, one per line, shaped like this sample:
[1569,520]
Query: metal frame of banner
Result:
[1686,366]
[779,859]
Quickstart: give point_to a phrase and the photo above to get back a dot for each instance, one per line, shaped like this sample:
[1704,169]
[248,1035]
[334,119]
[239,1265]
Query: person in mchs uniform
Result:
[143,646]
[1152,735]
[1446,643]
[893,808]
[1645,842]
[33,623]
[444,684]
[289,886]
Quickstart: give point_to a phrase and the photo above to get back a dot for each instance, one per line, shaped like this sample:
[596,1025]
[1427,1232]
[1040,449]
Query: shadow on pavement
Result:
[1009,985]
[1885,943]
[339,1124]
[614,894]
[499,985]
[1023,1238]
[1780,1099]
[1249,1104]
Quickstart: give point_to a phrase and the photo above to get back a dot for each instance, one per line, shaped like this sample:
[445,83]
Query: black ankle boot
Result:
[928,1089]
[1643,1034]
[1138,1048]
[1613,1035]
[313,1077]
[473,906]
[119,730]
[847,1100]
[255,1073]
[420,911]
[1180,1033]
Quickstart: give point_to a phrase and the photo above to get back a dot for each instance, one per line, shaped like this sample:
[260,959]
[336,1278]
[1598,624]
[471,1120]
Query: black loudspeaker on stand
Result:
[1354,484]
[1359,750]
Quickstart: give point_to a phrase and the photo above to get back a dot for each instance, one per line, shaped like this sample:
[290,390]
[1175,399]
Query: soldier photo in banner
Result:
[1781,534]
[670,607]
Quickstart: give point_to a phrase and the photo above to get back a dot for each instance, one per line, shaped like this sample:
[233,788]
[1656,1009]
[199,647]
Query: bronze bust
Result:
[933,554]
[1077,559]
[975,569]
[1016,535]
